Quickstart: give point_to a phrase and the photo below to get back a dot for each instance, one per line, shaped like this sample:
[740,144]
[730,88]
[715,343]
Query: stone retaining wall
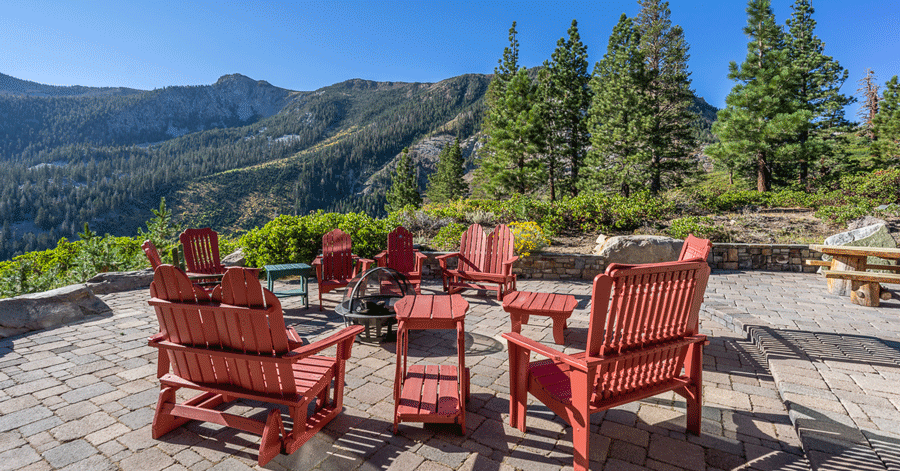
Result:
[770,257]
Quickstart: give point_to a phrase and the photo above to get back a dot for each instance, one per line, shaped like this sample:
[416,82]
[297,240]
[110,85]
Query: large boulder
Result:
[639,249]
[115,281]
[235,259]
[48,309]
[875,235]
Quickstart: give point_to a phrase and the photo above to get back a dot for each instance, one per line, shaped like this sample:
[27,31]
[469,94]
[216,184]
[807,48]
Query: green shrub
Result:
[700,226]
[288,239]
[447,239]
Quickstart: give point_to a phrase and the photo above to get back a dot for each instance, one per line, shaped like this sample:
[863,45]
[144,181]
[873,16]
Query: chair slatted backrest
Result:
[201,251]
[636,310]
[337,255]
[500,248]
[152,254]
[242,330]
[400,253]
[472,246]
[695,247]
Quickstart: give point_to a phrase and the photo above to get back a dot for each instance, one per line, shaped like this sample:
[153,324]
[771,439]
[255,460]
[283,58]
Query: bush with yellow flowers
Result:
[528,237]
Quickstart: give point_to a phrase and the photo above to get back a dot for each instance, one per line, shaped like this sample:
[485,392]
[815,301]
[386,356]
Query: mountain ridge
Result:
[231,155]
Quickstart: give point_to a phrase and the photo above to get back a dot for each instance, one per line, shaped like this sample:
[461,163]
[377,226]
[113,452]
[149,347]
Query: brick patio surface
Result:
[794,379]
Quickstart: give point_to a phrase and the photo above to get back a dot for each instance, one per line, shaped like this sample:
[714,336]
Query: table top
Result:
[883,252]
[539,302]
[287,266]
[436,307]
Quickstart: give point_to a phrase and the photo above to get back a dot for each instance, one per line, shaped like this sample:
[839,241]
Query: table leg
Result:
[559,326]
[845,263]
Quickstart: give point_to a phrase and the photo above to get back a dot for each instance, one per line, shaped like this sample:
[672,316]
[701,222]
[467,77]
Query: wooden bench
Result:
[865,289]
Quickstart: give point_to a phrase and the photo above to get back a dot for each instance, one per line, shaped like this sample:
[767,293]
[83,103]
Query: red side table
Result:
[430,393]
[522,304]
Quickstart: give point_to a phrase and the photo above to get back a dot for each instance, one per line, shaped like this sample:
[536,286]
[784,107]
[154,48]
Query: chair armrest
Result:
[544,350]
[317,264]
[507,265]
[294,339]
[344,335]
[420,260]
[379,259]
[364,264]
[442,259]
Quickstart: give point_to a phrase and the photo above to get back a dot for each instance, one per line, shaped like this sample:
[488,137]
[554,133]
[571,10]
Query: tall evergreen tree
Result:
[819,79]
[619,116]
[761,113]
[446,183]
[671,140]
[404,188]
[567,96]
[509,162]
[886,126]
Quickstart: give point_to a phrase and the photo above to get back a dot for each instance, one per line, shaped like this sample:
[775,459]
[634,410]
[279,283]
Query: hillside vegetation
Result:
[231,155]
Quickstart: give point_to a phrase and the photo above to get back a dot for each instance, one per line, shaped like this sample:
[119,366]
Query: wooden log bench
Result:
[865,288]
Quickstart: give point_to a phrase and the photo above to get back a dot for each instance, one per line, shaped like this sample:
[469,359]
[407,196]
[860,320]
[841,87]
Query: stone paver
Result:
[82,396]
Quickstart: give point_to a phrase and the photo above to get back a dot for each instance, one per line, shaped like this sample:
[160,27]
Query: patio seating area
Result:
[821,394]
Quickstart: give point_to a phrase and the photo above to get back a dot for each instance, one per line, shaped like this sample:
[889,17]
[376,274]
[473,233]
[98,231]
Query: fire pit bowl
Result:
[369,301]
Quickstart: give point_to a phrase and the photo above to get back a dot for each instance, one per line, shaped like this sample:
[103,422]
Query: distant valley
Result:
[231,155]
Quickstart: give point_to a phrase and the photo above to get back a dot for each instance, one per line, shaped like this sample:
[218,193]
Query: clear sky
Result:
[308,45]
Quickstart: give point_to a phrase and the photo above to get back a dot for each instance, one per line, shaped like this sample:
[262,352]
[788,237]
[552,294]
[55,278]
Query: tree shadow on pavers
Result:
[825,346]
[830,444]
[312,322]
[442,343]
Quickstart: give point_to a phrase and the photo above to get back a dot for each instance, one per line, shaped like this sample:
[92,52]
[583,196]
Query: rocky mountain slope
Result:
[231,155]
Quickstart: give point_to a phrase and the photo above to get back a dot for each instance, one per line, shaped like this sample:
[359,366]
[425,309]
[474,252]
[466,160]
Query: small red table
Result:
[432,393]
[522,304]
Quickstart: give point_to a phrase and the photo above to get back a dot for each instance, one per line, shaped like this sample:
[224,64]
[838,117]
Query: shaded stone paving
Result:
[82,396]
[836,364]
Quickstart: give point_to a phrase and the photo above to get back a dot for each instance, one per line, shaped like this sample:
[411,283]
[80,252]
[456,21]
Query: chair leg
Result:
[581,444]
[272,441]
[163,421]
[694,390]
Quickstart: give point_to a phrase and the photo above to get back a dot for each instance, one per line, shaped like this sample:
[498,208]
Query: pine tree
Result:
[404,187]
[886,126]
[761,112]
[671,140]
[567,96]
[619,115]
[509,162]
[446,183]
[819,79]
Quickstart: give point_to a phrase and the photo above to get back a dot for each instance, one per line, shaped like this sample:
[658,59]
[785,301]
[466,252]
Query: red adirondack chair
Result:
[695,247]
[643,332]
[481,260]
[401,256]
[152,254]
[201,251]
[235,345]
[337,265]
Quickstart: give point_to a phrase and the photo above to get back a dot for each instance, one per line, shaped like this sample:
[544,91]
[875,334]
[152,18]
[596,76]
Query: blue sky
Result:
[308,45]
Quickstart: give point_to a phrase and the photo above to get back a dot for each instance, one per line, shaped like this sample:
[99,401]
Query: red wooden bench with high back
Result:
[481,260]
[235,345]
[401,256]
[337,265]
[643,332]
[695,247]
[201,251]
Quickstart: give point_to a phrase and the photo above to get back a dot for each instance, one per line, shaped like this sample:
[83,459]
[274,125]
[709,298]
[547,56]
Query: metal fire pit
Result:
[369,301]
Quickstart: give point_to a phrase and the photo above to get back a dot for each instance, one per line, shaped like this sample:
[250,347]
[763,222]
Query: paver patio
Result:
[82,396]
